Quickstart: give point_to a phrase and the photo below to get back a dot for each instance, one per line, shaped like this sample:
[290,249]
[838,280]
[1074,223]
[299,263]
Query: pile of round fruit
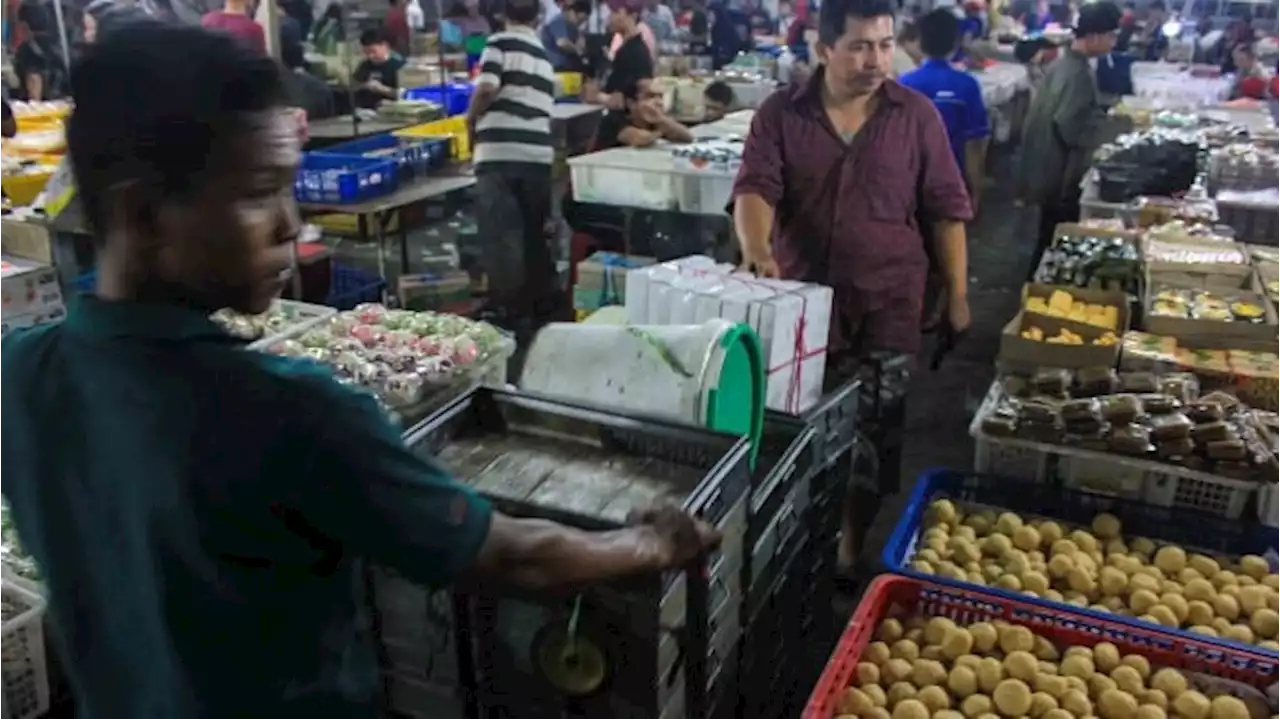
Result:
[934,669]
[1100,569]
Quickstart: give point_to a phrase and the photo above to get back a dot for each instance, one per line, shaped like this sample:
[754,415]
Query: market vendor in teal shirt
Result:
[200,511]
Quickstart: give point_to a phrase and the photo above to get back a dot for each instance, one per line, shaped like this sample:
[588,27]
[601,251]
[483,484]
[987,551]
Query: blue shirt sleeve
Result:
[976,123]
[365,489]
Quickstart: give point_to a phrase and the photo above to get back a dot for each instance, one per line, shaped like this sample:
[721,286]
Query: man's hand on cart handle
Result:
[681,537]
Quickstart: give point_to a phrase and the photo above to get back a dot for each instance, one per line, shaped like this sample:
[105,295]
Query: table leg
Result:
[404,243]
[380,237]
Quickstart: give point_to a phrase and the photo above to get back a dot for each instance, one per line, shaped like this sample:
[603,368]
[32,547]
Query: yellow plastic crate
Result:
[580,314]
[454,127]
[347,224]
[570,83]
[23,189]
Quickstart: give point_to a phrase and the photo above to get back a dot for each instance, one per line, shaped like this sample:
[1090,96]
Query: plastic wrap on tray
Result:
[1132,438]
[1209,432]
[1205,410]
[1171,426]
[1175,448]
[1095,381]
[1082,410]
[1232,448]
[1143,351]
[1182,386]
[1040,410]
[1158,403]
[1120,409]
[1053,382]
[1097,440]
[1139,382]
[1016,386]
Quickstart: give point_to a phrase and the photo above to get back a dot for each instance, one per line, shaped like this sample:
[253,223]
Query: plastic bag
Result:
[1082,410]
[1040,411]
[1051,381]
[1158,403]
[1121,409]
[1210,432]
[1231,449]
[1175,448]
[1183,386]
[1172,426]
[1204,411]
[1130,438]
[1139,382]
[1095,381]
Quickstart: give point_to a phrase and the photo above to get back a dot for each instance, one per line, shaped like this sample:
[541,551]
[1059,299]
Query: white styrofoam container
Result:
[25,671]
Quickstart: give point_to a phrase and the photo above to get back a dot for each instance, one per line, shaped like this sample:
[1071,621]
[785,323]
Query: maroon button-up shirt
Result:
[846,212]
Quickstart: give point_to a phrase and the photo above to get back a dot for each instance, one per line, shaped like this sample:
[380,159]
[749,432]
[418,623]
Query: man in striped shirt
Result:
[510,121]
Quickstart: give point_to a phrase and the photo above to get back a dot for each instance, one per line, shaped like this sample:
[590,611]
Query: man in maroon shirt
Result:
[235,18]
[835,174]
[396,27]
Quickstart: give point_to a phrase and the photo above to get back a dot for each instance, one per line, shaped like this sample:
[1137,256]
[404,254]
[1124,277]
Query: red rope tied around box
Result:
[800,352]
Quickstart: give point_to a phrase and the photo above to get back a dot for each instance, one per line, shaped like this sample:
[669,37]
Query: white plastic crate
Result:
[1102,476]
[994,457]
[705,193]
[626,177]
[25,672]
[1207,493]
[1269,505]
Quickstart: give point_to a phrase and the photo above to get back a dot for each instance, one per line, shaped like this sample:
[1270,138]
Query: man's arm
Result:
[366,491]
[945,198]
[488,82]
[758,187]
[673,130]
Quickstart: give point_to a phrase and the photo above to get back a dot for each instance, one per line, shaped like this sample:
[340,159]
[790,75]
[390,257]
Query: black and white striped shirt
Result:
[517,127]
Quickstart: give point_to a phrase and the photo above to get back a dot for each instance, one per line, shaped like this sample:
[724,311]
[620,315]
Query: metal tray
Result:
[703,472]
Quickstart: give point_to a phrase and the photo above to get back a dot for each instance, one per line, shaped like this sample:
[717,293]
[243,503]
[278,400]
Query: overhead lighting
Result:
[1173,28]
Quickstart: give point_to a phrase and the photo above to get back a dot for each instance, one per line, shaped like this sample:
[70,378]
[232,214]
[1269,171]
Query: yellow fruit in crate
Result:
[1192,705]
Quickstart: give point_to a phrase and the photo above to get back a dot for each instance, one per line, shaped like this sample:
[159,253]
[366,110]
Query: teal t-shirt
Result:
[200,513]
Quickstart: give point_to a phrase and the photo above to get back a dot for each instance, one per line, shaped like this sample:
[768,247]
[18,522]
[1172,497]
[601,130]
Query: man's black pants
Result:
[512,209]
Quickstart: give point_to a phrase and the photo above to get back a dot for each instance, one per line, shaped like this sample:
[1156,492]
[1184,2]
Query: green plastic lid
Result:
[735,404]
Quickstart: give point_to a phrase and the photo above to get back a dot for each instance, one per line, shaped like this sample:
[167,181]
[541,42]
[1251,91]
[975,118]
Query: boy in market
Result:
[201,512]
[717,100]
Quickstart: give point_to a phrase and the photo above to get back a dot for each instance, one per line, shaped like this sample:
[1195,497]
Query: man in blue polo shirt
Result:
[956,94]
[199,510]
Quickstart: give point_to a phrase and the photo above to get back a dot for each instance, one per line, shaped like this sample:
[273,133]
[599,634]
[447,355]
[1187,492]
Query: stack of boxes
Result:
[602,281]
[31,294]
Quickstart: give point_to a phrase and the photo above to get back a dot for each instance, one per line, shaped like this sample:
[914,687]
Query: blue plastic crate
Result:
[414,156]
[351,286]
[454,103]
[87,282]
[329,179]
[1190,529]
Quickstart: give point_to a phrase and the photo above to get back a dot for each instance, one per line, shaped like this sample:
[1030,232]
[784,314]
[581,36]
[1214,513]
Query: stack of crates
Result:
[798,488]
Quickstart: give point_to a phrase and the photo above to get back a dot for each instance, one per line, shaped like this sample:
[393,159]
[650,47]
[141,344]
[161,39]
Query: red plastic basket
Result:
[1062,627]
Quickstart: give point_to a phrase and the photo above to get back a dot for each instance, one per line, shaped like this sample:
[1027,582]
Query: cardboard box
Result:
[791,318]
[27,240]
[1110,298]
[1212,333]
[1018,353]
[432,291]
[1253,376]
[1211,269]
[28,287]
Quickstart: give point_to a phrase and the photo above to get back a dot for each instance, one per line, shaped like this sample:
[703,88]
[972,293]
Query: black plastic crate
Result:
[835,421]
[705,472]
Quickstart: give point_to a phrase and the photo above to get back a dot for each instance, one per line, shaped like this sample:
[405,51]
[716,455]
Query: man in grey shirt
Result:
[1059,135]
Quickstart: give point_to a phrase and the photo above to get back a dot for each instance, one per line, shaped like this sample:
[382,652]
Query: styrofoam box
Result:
[28,287]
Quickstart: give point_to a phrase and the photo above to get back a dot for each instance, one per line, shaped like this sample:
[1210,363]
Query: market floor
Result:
[941,404]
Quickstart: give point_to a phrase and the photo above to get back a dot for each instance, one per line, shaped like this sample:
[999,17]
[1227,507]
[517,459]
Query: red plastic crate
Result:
[1062,627]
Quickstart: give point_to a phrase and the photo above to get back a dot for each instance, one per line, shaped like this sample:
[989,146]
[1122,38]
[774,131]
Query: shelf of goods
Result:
[655,646]
[1012,442]
[1124,562]
[770,578]
[915,649]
